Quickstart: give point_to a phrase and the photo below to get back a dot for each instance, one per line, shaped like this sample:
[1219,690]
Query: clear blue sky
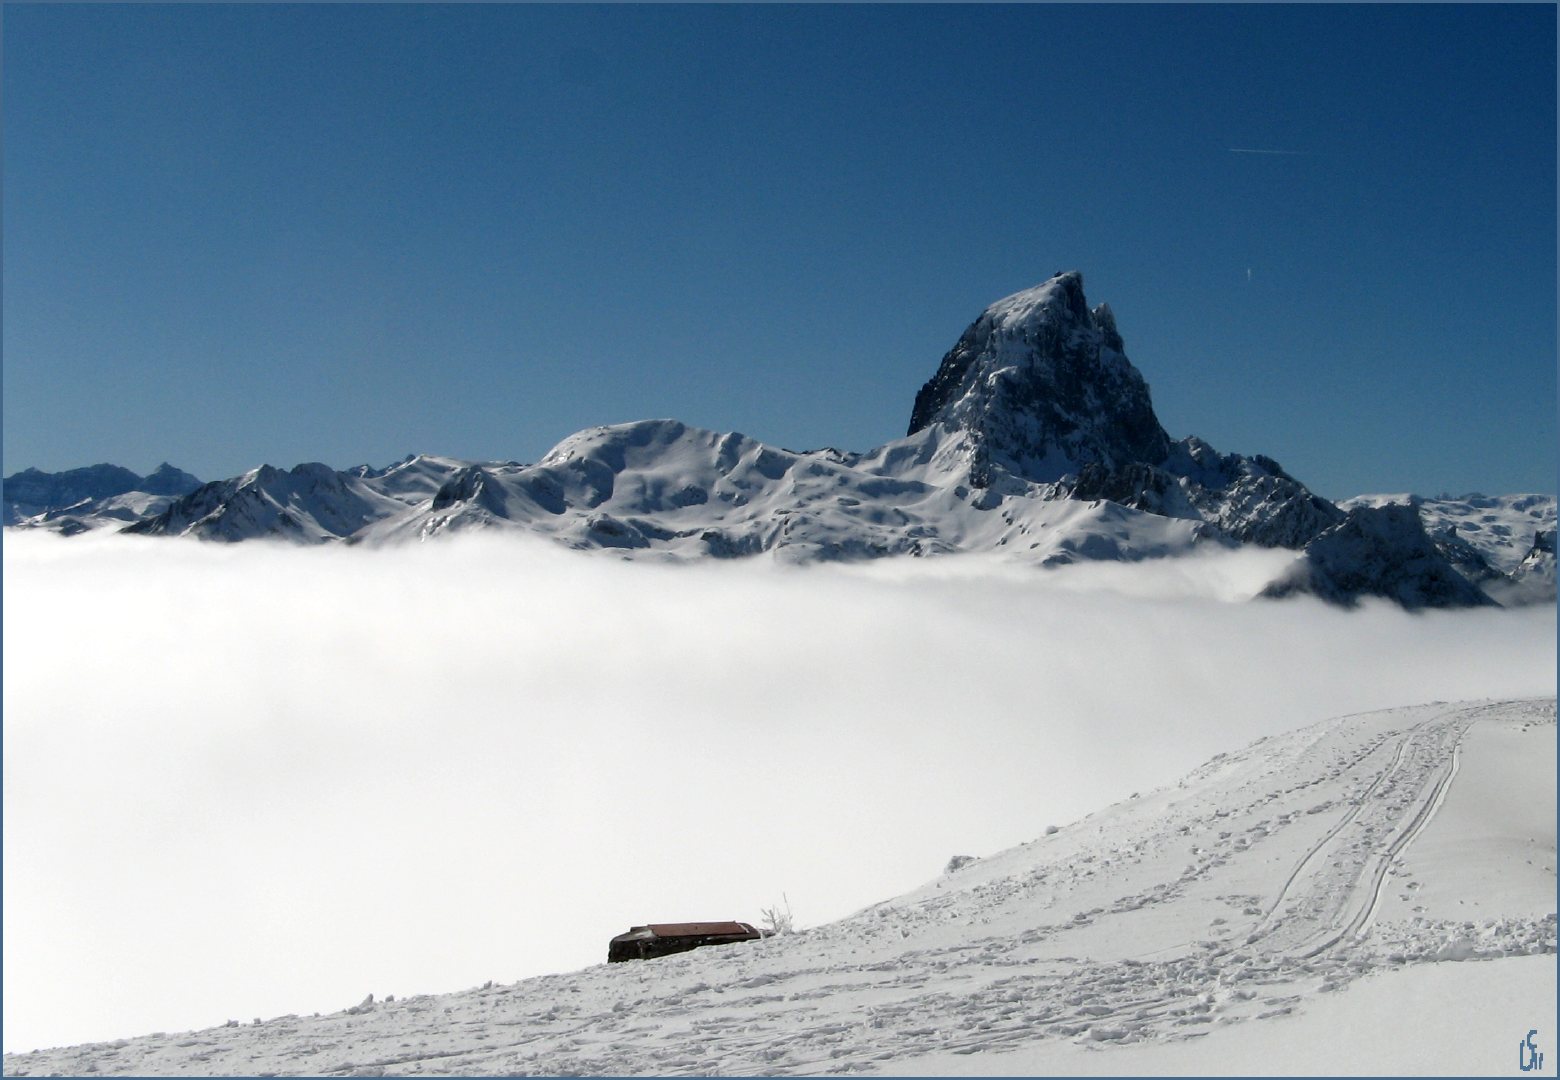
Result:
[242,234]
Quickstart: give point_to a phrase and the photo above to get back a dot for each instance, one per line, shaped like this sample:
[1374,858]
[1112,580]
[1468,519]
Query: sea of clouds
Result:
[252,780]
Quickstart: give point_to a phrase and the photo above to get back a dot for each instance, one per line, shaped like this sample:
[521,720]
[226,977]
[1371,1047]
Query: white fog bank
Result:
[253,780]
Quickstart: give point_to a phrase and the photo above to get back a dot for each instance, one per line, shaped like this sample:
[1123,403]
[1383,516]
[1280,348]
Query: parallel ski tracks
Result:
[1428,753]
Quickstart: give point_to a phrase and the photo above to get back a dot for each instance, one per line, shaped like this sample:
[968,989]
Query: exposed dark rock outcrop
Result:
[1040,385]
[1379,551]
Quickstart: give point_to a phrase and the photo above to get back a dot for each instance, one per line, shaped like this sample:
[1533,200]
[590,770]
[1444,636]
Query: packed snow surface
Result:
[1395,868]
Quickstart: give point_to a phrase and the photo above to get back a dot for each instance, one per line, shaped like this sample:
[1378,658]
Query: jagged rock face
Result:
[1533,581]
[1249,500]
[1379,551]
[1469,560]
[1040,387]
[464,486]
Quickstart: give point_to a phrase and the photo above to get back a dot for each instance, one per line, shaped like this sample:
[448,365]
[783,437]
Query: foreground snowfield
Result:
[1373,893]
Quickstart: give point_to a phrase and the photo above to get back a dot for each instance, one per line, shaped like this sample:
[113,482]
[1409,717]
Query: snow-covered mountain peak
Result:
[1039,386]
[1035,437]
[258,476]
[619,442]
[1059,298]
[1061,291]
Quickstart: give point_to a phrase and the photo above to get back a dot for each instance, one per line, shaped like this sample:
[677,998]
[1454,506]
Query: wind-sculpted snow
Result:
[1228,900]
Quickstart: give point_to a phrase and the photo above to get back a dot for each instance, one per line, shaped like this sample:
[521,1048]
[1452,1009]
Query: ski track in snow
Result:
[1227,898]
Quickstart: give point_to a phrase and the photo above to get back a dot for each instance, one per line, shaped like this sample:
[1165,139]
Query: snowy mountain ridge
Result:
[1036,436]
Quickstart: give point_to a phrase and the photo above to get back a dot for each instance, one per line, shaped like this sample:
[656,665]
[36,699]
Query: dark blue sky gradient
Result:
[247,233]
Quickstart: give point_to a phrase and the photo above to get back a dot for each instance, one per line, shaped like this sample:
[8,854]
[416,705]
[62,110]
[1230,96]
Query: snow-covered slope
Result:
[1185,928]
[1502,543]
[1499,527]
[1036,437]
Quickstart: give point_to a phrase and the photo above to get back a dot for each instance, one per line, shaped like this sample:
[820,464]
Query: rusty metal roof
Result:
[699,929]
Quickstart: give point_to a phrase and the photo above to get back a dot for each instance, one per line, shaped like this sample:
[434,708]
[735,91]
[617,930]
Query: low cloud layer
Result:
[252,780]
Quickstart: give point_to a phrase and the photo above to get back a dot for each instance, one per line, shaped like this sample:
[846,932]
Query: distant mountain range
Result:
[1035,437]
[92,497]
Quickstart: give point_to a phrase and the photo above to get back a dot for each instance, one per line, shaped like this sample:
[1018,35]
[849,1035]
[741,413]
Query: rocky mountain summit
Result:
[1036,437]
[1039,386]
[1039,390]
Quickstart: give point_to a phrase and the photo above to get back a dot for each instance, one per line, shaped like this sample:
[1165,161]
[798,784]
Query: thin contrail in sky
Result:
[1285,153]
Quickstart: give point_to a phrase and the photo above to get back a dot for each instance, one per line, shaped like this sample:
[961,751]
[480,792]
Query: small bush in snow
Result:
[778,920]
